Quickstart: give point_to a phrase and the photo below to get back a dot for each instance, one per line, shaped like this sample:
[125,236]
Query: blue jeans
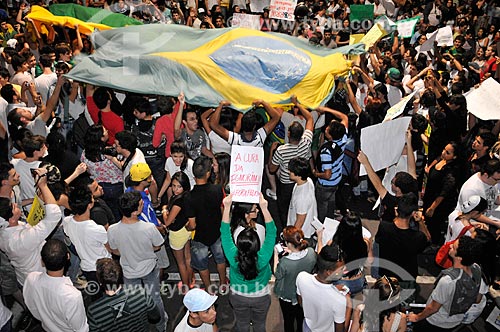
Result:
[112,192]
[151,283]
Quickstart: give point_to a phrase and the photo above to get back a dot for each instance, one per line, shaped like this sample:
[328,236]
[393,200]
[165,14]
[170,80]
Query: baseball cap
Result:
[139,172]
[394,74]
[198,300]
[201,10]
[471,203]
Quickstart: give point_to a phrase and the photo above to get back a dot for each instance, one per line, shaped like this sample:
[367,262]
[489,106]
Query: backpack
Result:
[332,149]
[466,288]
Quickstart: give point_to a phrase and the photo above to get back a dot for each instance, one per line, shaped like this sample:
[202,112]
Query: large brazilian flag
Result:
[88,19]
[235,64]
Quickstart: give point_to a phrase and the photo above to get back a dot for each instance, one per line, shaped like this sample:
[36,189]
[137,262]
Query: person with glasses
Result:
[324,304]
[484,184]
[245,215]
[249,269]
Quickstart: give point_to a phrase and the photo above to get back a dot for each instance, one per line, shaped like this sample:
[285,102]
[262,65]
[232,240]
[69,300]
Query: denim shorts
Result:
[199,254]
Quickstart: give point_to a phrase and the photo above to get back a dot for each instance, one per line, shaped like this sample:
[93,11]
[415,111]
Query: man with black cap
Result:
[201,312]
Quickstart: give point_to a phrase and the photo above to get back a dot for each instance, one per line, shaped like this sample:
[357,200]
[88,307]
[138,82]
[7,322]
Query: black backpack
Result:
[332,149]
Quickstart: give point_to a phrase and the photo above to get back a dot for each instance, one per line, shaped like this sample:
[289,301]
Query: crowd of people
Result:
[98,186]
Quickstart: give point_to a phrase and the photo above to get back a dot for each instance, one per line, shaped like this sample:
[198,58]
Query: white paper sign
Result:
[383,143]
[445,36]
[282,9]
[429,43]
[484,101]
[407,27]
[494,318]
[247,165]
[246,21]
[398,108]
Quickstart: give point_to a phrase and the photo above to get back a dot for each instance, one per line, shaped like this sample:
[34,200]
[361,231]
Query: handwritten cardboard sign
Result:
[282,9]
[245,177]
[246,21]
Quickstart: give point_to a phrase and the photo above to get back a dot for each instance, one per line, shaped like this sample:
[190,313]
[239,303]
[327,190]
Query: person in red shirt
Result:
[99,106]
[490,66]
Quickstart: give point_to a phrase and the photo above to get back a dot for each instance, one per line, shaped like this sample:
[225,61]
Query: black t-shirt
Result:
[387,205]
[204,204]
[181,219]
[400,246]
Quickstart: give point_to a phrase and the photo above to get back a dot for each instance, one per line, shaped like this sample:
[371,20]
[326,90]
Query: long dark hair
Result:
[178,146]
[56,144]
[224,161]
[93,144]
[248,245]
[238,216]
[183,180]
[349,237]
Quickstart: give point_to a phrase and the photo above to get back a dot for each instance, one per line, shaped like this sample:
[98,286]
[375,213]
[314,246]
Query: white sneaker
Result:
[271,194]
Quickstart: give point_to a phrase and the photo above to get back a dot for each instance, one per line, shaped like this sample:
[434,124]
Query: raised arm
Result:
[215,121]
[375,180]
[178,117]
[411,163]
[53,100]
[273,113]
[204,120]
[352,98]
[305,112]
[341,116]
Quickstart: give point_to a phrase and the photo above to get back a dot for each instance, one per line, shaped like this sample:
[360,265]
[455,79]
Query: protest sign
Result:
[373,36]
[429,43]
[246,21]
[483,102]
[406,28]
[37,212]
[257,6]
[398,108]
[445,36]
[383,143]
[386,23]
[282,9]
[247,165]
[361,12]
[355,38]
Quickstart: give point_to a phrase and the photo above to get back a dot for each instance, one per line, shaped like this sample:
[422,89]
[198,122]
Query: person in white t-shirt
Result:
[90,239]
[324,304]
[303,207]
[51,297]
[47,79]
[136,242]
[22,242]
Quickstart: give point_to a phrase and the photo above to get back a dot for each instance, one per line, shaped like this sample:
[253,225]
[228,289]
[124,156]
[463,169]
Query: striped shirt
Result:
[127,310]
[334,165]
[288,151]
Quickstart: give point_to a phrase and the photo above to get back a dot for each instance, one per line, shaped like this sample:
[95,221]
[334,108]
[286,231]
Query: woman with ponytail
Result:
[249,269]
[299,258]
